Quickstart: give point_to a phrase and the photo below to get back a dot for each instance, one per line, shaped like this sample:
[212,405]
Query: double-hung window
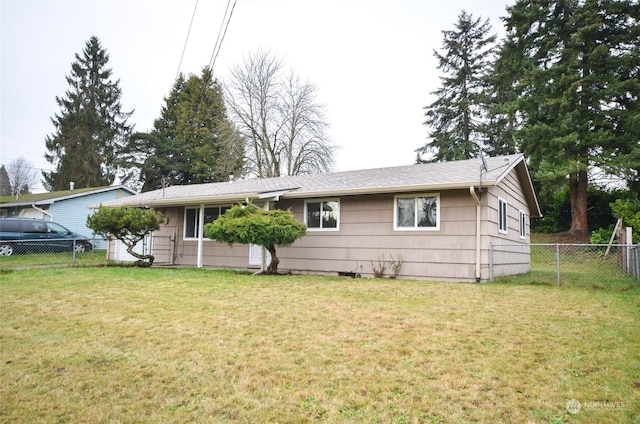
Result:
[502,216]
[192,216]
[322,215]
[417,212]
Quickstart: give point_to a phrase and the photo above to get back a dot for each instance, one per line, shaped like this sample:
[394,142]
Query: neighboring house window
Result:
[523,225]
[502,215]
[322,215]
[419,212]
[191,216]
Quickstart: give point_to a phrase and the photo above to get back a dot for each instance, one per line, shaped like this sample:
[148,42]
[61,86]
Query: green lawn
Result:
[580,266]
[125,345]
[32,260]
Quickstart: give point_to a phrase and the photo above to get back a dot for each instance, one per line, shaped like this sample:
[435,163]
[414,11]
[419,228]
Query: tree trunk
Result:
[578,193]
[145,260]
[273,266]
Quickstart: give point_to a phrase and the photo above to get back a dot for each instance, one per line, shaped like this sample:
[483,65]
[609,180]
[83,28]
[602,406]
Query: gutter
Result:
[475,197]
[287,193]
[33,205]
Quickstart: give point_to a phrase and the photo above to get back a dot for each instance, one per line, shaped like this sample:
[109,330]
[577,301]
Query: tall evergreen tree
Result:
[5,184]
[574,65]
[192,141]
[457,118]
[91,128]
[503,120]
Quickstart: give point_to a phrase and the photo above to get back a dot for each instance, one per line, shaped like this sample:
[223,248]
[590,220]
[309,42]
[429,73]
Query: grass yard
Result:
[584,267]
[124,345]
[31,260]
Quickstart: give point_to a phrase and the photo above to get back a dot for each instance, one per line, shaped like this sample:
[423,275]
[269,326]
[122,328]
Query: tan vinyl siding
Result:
[367,236]
[518,252]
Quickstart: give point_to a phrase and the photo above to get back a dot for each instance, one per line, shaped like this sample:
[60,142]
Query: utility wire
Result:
[184,48]
[219,40]
[216,48]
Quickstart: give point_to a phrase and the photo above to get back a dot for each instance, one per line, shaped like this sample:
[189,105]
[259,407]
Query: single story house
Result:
[435,220]
[69,208]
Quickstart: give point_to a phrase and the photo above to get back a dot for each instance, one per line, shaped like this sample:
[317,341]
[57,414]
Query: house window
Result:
[3,213]
[192,215]
[523,225]
[420,212]
[502,215]
[322,215]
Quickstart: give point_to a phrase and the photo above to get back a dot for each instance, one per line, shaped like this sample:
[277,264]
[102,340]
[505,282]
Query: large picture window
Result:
[322,215]
[419,212]
[192,215]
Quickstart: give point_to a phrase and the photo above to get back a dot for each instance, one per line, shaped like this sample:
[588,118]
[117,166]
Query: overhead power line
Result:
[184,48]
[221,33]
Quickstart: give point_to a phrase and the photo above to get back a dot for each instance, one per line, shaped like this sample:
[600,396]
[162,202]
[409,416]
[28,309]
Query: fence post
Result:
[558,263]
[73,249]
[629,242]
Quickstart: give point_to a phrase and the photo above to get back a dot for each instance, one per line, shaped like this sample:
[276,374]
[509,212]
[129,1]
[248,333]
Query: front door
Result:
[255,256]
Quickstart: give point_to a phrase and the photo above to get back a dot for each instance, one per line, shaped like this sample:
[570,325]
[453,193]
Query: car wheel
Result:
[80,248]
[6,249]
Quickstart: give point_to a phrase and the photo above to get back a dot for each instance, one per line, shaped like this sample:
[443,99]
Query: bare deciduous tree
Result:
[23,177]
[277,113]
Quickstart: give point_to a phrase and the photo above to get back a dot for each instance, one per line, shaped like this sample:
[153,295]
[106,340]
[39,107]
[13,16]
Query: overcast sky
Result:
[371,61]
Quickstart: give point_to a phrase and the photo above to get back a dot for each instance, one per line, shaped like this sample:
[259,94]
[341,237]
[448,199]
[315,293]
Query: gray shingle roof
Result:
[429,176]
[56,196]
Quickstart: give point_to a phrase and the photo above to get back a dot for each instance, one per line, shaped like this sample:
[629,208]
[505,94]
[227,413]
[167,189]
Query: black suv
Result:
[21,235]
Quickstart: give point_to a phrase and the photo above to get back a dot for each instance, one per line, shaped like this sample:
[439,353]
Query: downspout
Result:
[33,205]
[472,190]
[200,235]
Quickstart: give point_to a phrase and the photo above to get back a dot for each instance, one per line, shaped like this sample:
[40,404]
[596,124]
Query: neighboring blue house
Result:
[67,207]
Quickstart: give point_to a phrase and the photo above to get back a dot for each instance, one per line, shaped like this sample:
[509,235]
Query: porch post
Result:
[200,235]
[263,253]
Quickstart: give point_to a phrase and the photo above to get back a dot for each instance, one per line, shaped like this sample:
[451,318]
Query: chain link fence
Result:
[19,254]
[16,254]
[597,265]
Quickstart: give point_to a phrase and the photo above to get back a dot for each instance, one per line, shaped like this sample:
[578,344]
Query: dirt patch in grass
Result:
[132,345]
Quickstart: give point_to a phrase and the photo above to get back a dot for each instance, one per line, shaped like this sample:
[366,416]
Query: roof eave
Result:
[182,201]
[385,190]
[16,204]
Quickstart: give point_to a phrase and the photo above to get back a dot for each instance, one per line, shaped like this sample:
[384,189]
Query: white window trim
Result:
[415,227]
[184,224]
[321,201]
[504,230]
[523,224]
[199,214]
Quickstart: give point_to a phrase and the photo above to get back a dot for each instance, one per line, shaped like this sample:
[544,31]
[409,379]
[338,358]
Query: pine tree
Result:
[503,119]
[91,128]
[192,141]
[5,184]
[457,117]
[577,90]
